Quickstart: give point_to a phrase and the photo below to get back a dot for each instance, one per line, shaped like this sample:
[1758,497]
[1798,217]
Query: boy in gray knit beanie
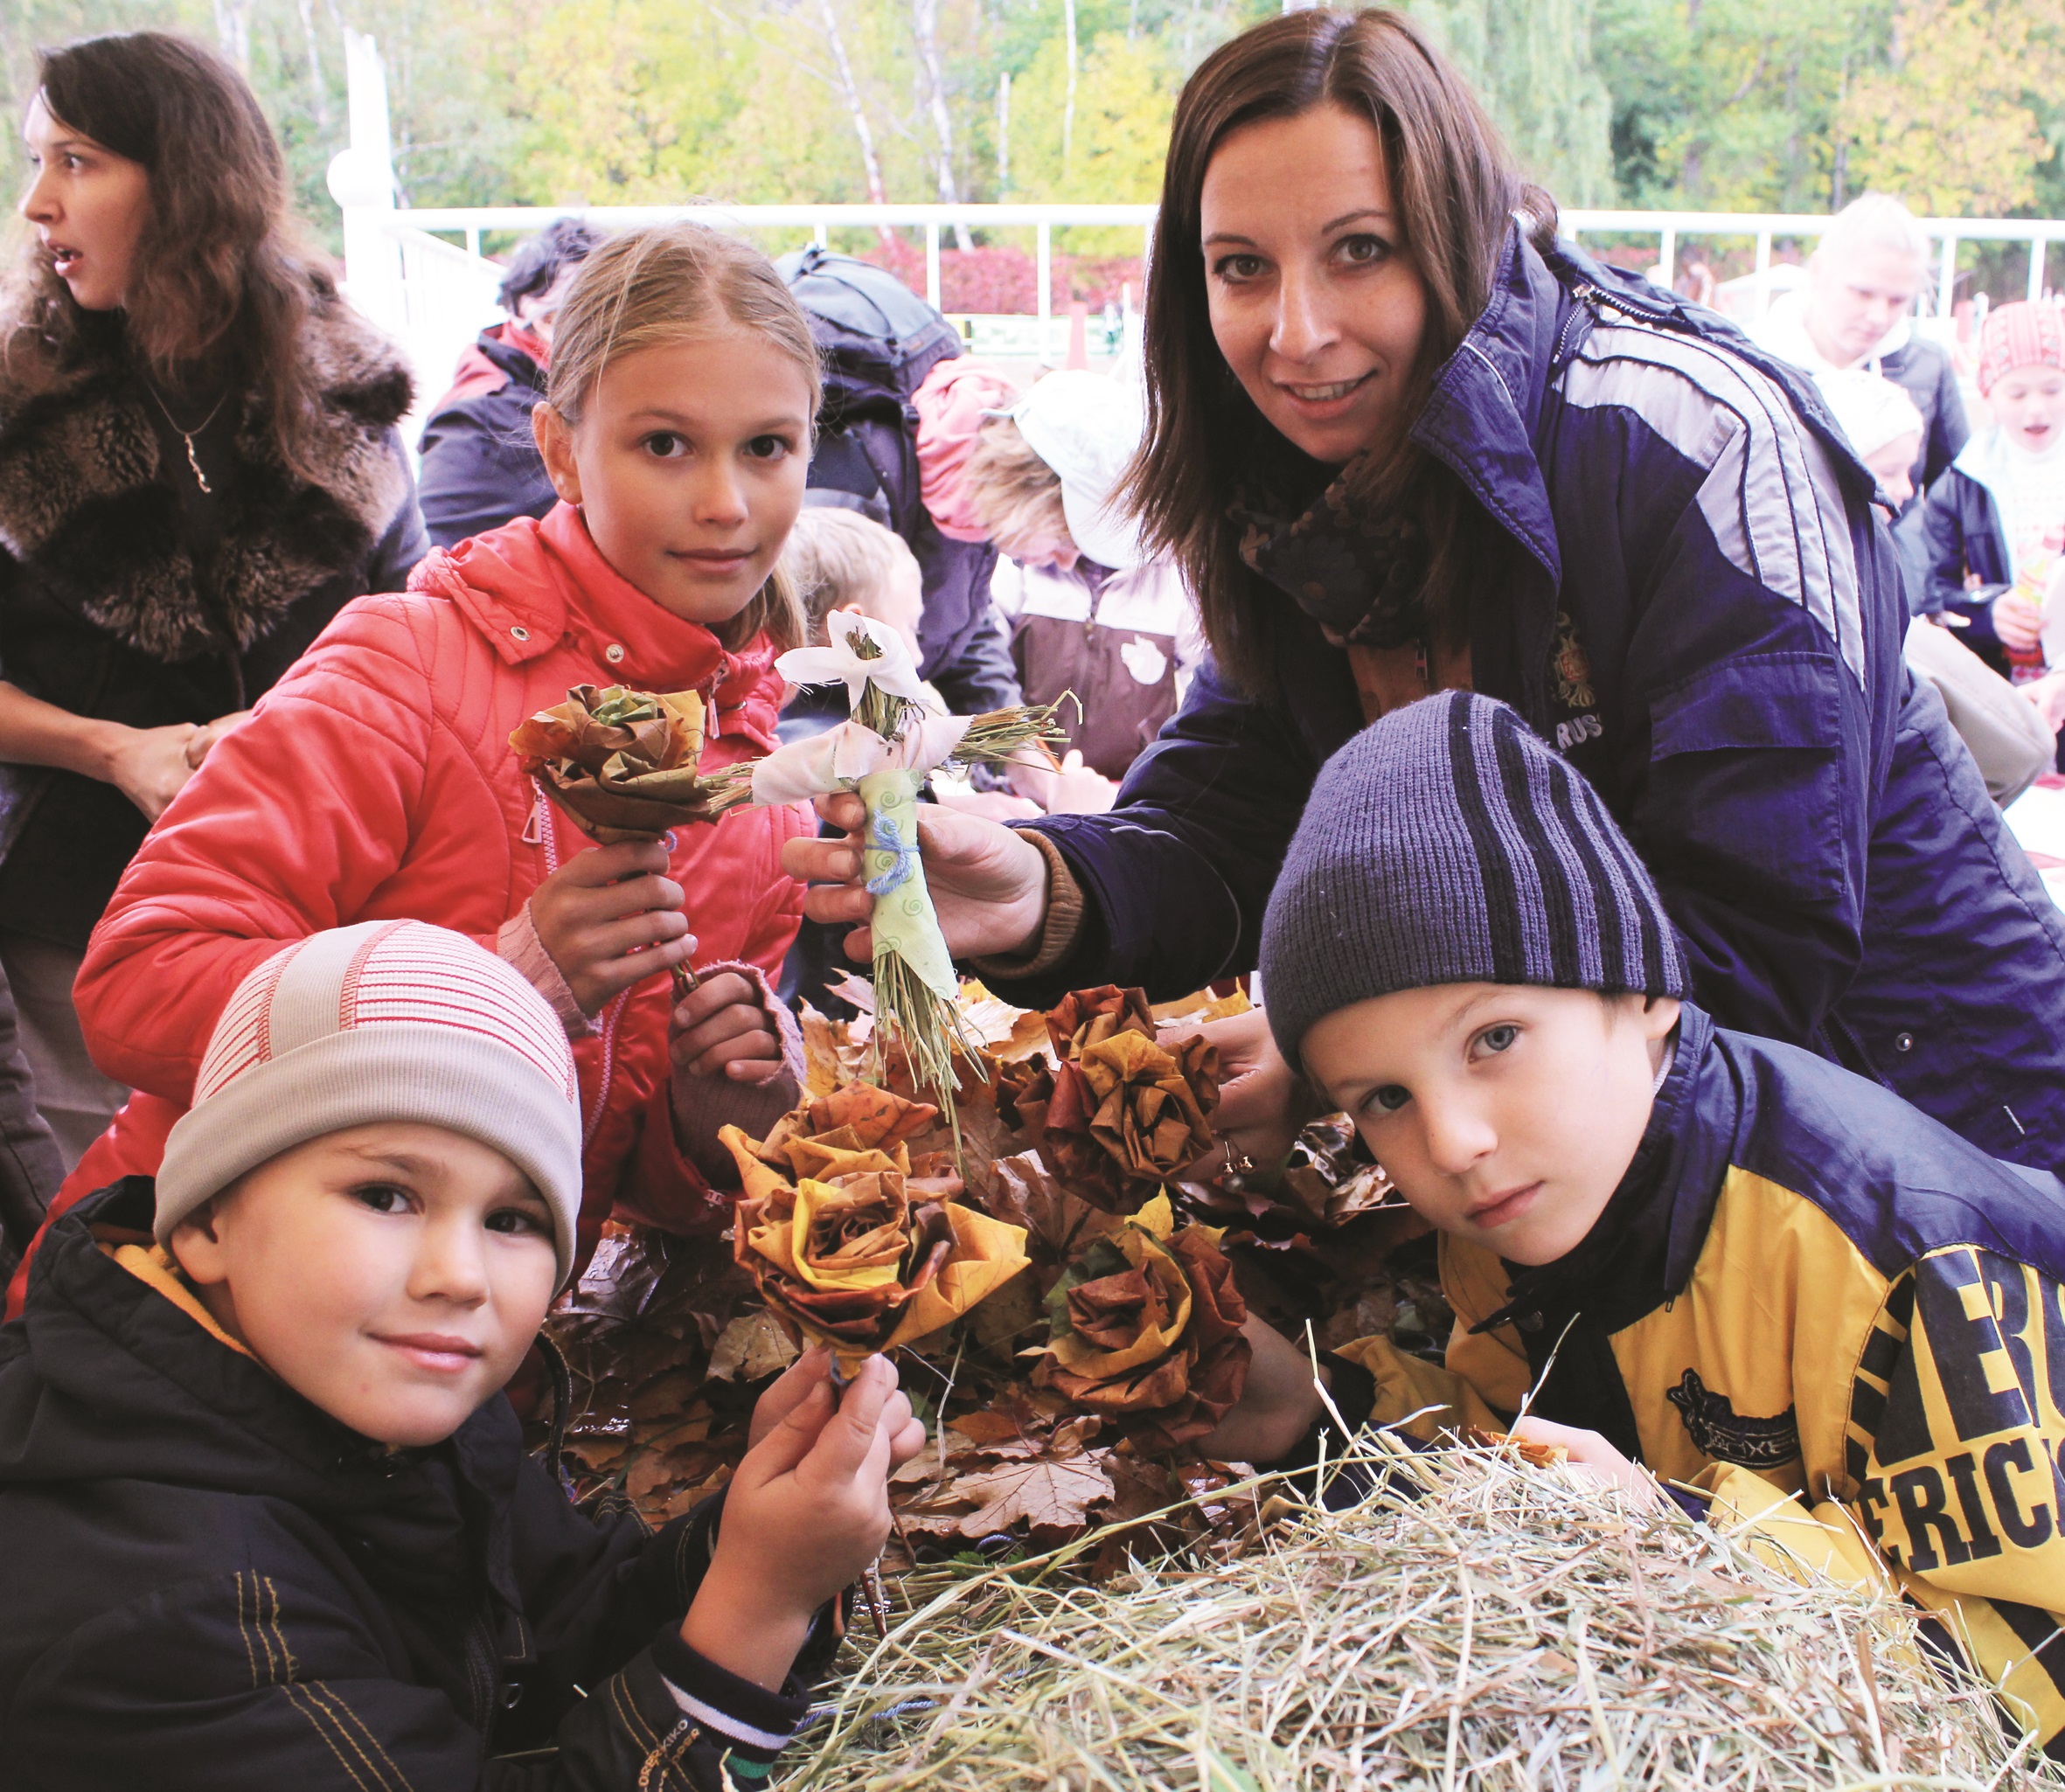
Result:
[1683,1252]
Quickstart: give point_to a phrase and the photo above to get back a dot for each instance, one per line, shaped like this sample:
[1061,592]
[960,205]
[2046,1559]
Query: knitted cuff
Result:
[702,1104]
[750,1723]
[1057,933]
[517,944]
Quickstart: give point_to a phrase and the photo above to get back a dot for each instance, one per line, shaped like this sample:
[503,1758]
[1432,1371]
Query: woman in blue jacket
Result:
[1403,439]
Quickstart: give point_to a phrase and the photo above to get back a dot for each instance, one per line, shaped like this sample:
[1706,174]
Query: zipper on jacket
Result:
[611,1015]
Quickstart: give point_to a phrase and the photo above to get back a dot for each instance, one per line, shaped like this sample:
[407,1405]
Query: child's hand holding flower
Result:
[805,1516]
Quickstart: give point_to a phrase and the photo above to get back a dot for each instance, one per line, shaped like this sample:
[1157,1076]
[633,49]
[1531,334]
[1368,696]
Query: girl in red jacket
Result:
[376,780]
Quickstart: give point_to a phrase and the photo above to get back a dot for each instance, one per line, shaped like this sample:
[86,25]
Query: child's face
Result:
[1895,465]
[393,1275]
[1506,1114]
[688,465]
[2029,404]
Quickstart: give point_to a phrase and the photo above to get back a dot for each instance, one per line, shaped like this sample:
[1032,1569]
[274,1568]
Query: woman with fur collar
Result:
[198,468]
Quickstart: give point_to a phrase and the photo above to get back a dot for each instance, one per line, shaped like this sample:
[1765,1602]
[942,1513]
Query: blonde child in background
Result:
[1090,613]
[378,782]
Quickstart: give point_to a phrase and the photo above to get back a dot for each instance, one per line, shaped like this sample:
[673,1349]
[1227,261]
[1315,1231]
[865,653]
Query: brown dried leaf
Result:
[1052,1499]
[753,1344]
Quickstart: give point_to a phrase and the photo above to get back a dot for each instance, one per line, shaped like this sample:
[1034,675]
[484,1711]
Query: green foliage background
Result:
[1720,104]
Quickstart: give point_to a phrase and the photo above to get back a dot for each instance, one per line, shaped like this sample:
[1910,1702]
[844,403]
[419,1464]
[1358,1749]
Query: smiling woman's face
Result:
[89,207]
[1315,303]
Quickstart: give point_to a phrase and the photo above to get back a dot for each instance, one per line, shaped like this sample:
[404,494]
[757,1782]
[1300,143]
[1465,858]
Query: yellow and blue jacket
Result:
[1826,1311]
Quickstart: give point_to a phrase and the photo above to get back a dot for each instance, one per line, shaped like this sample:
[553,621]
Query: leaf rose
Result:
[1146,1330]
[624,764]
[845,1240]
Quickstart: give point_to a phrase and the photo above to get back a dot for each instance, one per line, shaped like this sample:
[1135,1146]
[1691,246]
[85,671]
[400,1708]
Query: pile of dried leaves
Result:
[1068,1396]
[1476,1621]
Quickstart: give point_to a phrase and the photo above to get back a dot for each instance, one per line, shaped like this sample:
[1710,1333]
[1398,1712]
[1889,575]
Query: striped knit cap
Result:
[2028,333]
[1445,843]
[386,1021]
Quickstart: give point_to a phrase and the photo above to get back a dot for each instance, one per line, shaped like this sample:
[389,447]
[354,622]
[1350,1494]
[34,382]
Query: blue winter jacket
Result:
[1961,538]
[1708,624]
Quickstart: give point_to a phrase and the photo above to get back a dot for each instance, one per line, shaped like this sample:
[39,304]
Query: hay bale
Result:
[1478,1622]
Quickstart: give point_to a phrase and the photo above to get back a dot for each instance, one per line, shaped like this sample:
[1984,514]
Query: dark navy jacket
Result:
[480,464]
[1693,525]
[1961,538]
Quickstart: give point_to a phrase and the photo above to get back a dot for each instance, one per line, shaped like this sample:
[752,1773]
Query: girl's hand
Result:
[721,1030]
[149,766]
[2048,693]
[1277,1405]
[988,884]
[610,917]
[2017,622]
[805,1515]
[1594,1459]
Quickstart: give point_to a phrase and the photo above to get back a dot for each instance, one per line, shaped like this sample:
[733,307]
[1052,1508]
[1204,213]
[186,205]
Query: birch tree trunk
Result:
[925,26]
[871,163]
[1069,100]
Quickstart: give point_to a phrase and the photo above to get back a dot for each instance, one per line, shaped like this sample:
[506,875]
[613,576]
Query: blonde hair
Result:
[836,556]
[658,284]
[1015,494]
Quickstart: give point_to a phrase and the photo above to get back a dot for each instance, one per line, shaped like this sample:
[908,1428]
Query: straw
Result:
[1476,1622]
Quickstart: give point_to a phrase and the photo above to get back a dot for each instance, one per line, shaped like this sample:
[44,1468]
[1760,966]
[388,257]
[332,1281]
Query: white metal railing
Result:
[434,294]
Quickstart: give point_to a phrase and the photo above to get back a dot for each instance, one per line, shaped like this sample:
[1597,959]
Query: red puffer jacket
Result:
[376,780]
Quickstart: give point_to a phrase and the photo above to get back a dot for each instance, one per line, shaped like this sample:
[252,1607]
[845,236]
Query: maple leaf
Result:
[1052,1499]
[752,1345]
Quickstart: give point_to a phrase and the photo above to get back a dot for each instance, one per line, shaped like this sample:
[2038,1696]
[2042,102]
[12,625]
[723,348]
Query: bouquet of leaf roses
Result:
[854,1243]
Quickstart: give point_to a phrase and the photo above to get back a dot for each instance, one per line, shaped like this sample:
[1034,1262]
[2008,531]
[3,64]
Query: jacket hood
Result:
[532,586]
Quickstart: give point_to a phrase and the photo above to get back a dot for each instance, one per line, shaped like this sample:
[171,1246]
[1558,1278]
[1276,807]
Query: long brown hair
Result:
[219,289]
[658,284]
[1455,191]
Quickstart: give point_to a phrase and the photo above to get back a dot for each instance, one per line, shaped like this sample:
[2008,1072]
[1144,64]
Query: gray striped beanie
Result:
[1446,843]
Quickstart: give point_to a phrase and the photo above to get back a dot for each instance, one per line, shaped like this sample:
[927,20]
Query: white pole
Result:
[932,266]
[362,182]
[1947,289]
[1043,275]
[2037,245]
[1763,274]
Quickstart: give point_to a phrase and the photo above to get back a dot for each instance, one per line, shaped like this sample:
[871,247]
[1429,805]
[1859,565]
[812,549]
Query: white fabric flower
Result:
[895,672]
[839,758]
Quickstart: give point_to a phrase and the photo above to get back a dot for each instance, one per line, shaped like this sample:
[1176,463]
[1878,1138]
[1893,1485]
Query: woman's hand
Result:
[1277,1405]
[205,736]
[721,1030]
[610,917]
[2017,622]
[150,766]
[805,1515]
[988,884]
[1261,1102]
[1594,1459]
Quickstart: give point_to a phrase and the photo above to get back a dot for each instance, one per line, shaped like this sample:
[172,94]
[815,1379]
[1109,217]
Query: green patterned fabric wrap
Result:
[905,922]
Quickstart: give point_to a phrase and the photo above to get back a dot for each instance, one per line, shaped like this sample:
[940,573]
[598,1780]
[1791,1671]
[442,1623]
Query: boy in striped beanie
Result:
[274,1441]
[1726,1264]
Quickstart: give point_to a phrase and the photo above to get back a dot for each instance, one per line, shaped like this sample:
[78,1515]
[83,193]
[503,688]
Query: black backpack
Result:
[877,337]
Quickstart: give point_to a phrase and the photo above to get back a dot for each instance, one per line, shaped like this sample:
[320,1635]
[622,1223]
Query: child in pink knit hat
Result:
[270,1518]
[1994,524]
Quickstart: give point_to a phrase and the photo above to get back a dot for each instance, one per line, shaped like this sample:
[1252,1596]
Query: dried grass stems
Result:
[1475,1622]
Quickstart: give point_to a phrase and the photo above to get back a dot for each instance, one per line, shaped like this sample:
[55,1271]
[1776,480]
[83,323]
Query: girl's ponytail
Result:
[657,284]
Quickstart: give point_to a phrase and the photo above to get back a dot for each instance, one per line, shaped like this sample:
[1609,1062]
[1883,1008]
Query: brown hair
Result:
[658,284]
[219,283]
[836,556]
[1455,191]
[1014,493]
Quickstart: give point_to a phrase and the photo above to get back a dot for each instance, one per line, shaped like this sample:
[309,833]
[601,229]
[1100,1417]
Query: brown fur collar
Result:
[85,514]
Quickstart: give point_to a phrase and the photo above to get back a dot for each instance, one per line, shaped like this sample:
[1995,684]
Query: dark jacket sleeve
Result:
[1947,431]
[255,1679]
[979,675]
[1176,877]
[395,554]
[1946,519]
